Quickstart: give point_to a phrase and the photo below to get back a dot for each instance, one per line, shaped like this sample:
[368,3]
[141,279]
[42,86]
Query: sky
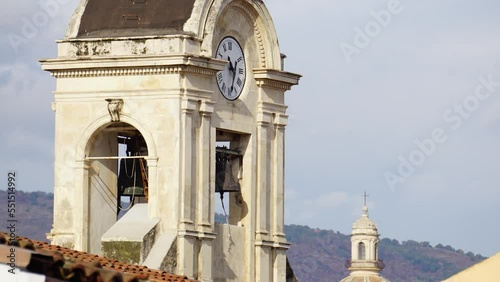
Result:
[400,99]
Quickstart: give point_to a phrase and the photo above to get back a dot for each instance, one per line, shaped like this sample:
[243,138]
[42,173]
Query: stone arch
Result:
[264,29]
[98,196]
[83,146]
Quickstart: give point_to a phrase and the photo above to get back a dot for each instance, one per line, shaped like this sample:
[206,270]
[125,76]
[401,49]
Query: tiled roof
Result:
[67,264]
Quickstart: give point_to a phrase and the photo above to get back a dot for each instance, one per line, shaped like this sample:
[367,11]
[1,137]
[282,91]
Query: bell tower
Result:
[364,264]
[161,106]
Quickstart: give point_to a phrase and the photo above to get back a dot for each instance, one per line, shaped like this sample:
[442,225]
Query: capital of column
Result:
[152,161]
[280,120]
[207,108]
[264,118]
[84,164]
[188,105]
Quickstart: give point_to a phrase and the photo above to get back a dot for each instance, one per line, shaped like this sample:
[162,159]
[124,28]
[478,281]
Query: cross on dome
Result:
[365,207]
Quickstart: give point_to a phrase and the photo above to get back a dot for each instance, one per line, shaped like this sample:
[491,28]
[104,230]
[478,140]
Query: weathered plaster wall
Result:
[103,190]
[229,254]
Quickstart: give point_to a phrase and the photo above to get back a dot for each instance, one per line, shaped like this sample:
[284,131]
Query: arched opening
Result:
[376,251]
[117,177]
[361,251]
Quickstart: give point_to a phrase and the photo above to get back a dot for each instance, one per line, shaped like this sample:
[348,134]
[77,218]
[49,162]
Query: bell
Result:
[130,182]
[227,170]
[133,191]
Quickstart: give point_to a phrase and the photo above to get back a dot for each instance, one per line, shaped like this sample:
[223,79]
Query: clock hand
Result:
[230,64]
[234,75]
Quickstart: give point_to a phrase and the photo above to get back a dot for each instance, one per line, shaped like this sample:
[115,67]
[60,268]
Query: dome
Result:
[122,18]
[364,225]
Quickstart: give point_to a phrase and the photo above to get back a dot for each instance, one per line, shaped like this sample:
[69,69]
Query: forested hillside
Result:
[321,253]
[315,255]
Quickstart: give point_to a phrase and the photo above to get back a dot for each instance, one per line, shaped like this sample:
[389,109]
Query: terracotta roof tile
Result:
[71,265]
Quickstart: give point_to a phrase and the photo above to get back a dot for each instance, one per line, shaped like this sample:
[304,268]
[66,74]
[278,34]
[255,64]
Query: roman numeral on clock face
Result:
[240,70]
[239,82]
[230,45]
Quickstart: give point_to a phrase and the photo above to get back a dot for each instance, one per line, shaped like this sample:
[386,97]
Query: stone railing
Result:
[365,264]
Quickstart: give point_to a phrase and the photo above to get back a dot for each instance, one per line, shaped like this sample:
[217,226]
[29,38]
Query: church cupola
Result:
[364,264]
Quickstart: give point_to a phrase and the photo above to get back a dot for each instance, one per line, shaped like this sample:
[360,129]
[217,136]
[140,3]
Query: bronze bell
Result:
[130,181]
[227,170]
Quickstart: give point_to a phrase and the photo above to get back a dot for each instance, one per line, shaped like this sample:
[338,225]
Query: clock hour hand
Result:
[234,75]
[230,64]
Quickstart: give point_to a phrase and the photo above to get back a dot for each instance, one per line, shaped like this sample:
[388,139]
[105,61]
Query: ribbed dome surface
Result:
[364,224]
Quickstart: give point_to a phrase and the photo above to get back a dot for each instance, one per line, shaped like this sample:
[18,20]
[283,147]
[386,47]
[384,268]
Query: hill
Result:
[33,211]
[322,254]
[315,255]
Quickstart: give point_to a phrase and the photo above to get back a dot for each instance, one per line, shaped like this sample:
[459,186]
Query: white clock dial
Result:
[231,80]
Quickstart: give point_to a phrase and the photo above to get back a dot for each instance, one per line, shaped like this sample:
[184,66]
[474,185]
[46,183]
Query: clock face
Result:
[231,80]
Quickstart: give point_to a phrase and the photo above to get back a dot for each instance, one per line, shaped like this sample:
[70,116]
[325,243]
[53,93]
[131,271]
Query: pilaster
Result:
[263,263]
[205,257]
[186,208]
[81,204]
[279,264]
[278,187]
[154,199]
[204,190]
[186,249]
[263,204]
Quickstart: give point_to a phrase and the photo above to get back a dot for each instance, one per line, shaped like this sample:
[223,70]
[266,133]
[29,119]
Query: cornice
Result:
[130,72]
[132,66]
[276,79]
[271,107]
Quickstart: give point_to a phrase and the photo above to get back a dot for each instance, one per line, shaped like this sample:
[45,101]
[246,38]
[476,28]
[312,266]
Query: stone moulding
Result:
[276,79]
[132,72]
[124,66]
